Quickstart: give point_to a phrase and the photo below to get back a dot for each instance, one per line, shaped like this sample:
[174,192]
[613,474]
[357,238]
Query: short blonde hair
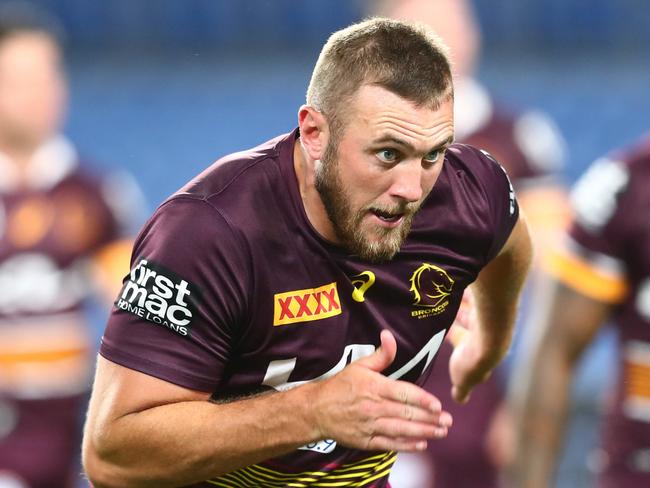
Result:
[404,58]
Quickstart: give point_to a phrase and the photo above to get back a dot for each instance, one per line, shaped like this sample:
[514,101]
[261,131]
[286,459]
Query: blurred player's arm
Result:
[496,296]
[568,323]
[142,431]
[110,265]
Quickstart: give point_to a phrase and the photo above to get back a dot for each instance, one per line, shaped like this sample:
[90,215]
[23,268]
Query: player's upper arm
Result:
[504,275]
[123,391]
[518,244]
[119,391]
[570,320]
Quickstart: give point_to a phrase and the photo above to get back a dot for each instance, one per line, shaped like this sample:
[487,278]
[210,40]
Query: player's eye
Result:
[433,156]
[388,155]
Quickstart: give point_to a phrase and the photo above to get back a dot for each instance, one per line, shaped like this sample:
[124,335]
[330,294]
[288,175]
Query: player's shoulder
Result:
[636,157]
[633,172]
[472,162]
[465,155]
[622,169]
[487,175]
[614,184]
[232,194]
[240,170]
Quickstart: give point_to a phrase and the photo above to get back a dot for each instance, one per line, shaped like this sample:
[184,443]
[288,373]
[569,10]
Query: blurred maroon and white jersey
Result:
[606,256]
[55,227]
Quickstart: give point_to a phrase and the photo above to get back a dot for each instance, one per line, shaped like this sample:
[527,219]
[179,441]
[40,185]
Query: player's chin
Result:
[378,244]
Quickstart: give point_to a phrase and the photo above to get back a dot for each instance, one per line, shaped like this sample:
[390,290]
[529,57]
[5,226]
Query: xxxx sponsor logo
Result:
[306,305]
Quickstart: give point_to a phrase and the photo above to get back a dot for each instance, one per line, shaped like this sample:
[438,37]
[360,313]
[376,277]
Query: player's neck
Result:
[311,200]
[19,155]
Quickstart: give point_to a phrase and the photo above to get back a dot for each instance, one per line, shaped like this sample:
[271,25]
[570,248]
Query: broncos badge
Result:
[431,285]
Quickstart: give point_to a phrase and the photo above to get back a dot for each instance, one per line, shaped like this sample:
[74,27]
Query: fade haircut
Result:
[406,59]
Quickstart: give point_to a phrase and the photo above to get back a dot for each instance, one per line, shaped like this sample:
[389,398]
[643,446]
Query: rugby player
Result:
[284,306]
[602,272]
[63,236]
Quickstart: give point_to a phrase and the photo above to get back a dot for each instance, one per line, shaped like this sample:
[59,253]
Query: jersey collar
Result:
[51,163]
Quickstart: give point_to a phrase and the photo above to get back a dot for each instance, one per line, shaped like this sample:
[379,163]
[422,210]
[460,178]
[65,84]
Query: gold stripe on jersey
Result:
[41,357]
[357,474]
[637,380]
[584,277]
[637,369]
[636,404]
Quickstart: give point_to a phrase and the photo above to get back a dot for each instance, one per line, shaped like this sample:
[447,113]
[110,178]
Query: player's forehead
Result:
[378,114]
[27,50]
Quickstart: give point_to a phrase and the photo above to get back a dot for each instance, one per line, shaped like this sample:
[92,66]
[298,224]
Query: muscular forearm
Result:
[187,442]
[496,294]
[496,311]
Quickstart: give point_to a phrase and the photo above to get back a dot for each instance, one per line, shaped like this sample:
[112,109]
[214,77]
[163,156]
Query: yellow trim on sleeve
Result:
[585,278]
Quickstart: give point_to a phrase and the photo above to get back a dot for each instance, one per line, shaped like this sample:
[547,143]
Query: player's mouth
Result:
[388,219]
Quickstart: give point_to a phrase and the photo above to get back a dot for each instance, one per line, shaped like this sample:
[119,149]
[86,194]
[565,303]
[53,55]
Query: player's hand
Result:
[468,365]
[361,408]
[464,321]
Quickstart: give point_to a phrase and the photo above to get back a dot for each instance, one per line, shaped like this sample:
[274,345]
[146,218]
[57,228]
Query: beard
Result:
[370,242]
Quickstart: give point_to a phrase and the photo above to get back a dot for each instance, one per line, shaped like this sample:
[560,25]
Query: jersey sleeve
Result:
[182,305]
[590,260]
[503,209]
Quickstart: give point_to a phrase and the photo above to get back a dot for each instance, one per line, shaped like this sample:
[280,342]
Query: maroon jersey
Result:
[607,257]
[56,222]
[232,291]
[52,227]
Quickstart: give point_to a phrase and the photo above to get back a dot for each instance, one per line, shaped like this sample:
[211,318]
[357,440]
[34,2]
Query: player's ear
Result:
[314,131]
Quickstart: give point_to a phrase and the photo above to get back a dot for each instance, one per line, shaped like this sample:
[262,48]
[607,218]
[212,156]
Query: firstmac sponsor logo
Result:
[158,295]
[306,305]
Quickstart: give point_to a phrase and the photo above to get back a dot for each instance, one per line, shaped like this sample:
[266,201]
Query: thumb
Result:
[383,356]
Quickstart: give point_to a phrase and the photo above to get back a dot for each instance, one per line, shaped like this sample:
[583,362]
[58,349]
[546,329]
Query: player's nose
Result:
[408,182]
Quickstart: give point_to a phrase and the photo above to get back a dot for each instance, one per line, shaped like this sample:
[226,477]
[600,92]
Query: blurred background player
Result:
[602,271]
[531,149]
[62,232]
